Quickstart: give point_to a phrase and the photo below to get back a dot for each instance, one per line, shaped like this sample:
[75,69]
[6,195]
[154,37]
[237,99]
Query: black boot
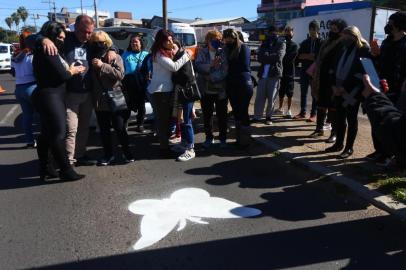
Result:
[346,153]
[332,138]
[69,174]
[335,148]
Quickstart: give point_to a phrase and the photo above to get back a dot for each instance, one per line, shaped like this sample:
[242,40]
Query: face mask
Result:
[59,44]
[289,37]
[215,44]
[98,49]
[388,29]
[333,35]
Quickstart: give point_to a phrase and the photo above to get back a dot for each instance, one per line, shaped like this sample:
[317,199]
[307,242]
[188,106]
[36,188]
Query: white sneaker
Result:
[288,114]
[278,112]
[327,126]
[187,155]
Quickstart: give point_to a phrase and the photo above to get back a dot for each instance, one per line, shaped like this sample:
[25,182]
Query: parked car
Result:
[120,36]
[5,56]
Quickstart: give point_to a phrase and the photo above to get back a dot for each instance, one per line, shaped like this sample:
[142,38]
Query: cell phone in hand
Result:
[371,71]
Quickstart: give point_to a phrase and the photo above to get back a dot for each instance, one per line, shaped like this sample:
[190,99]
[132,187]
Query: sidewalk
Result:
[291,139]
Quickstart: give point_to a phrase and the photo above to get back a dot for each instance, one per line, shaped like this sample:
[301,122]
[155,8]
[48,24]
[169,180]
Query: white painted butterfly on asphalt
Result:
[193,204]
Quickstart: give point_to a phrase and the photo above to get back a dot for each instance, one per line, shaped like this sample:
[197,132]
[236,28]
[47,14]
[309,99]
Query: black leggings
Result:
[118,121]
[50,103]
[240,93]
[346,114]
[135,97]
[208,102]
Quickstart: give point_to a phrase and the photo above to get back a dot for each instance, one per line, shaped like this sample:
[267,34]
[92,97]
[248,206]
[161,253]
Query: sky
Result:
[187,9]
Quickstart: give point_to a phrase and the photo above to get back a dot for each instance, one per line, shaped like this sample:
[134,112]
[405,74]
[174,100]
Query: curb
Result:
[377,199]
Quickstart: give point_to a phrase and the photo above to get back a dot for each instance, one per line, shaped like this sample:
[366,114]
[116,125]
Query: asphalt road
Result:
[306,222]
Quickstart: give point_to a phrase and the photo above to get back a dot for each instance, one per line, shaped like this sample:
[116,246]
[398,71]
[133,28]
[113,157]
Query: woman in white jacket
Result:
[161,86]
[25,85]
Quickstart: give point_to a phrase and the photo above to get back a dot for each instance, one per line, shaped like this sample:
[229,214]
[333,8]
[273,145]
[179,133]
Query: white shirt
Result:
[23,70]
[163,67]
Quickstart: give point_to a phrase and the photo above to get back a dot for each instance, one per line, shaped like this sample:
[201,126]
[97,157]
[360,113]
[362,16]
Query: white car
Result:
[121,37]
[5,57]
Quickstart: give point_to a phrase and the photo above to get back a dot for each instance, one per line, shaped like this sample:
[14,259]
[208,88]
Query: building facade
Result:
[281,11]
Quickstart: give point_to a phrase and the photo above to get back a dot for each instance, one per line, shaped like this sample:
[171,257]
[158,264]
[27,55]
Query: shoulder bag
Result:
[114,98]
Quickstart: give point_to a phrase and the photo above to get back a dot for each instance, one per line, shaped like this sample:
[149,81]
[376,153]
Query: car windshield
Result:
[186,39]
[3,49]
[121,38]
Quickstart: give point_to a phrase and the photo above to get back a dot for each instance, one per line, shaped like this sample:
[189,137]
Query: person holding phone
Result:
[388,122]
[212,67]
[390,60]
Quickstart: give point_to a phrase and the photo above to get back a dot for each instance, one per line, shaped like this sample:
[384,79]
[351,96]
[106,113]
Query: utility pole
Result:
[49,2]
[274,13]
[35,17]
[95,14]
[165,14]
[81,7]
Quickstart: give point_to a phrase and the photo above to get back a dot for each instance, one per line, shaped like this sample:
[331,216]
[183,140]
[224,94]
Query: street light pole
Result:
[95,14]
[165,14]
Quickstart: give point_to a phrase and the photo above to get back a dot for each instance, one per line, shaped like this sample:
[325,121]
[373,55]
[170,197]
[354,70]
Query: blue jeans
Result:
[187,126]
[23,95]
[304,89]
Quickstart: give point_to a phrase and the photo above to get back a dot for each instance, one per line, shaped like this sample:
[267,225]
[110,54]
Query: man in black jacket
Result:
[391,65]
[288,75]
[388,122]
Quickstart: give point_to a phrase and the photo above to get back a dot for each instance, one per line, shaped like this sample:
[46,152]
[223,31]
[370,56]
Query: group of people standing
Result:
[333,70]
[64,76]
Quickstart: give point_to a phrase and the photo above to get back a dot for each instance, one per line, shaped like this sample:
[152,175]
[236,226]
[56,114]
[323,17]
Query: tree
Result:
[9,22]
[29,28]
[23,13]
[16,19]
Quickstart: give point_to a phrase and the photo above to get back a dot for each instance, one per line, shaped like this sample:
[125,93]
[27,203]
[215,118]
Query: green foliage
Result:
[9,22]
[23,13]
[8,36]
[16,19]
[396,186]
[29,28]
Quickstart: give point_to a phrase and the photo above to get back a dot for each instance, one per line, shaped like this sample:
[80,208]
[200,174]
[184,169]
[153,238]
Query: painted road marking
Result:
[193,204]
[8,115]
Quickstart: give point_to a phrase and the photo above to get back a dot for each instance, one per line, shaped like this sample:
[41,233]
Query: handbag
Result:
[311,69]
[114,98]
[190,92]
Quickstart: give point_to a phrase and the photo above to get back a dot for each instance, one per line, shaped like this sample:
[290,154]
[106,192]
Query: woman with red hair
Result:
[25,85]
[161,86]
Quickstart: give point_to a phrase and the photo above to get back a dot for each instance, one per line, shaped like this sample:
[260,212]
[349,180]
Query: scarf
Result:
[344,65]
